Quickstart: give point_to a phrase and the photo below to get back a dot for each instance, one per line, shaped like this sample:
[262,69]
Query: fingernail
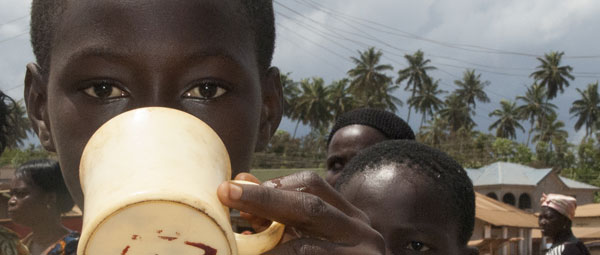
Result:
[235,191]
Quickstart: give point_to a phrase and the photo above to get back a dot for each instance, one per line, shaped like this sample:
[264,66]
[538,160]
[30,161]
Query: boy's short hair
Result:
[389,124]
[45,15]
[447,174]
[46,175]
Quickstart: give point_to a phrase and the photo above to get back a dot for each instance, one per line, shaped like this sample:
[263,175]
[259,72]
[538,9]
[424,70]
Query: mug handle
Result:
[258,243]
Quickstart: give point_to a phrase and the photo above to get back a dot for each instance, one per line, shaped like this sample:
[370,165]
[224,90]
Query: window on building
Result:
[509,198]
[524,201]
[492,195]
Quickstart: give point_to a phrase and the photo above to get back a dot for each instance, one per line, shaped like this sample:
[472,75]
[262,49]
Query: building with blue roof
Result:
[523,186]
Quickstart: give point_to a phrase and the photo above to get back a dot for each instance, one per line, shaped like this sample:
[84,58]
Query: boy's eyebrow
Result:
[104,52]
[111,53]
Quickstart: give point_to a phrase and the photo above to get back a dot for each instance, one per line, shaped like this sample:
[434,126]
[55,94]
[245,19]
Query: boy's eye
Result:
[417,246]
[205,90]
[18,194]
[105,90]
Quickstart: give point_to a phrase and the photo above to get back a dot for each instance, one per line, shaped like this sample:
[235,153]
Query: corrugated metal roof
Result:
[576,185]
[507,173]
[501,214]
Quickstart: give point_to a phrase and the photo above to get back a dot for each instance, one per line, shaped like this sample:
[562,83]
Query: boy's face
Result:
[345,144]
[111,56]
[406,209]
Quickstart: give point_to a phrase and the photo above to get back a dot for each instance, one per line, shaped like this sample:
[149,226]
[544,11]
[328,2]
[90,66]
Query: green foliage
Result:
[508,120]
[286,152]
[14,124]
[446,123]
[16,157]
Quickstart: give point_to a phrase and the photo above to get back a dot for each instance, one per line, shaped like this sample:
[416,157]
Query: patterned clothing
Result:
[569,248]
[65,246]
[10,244]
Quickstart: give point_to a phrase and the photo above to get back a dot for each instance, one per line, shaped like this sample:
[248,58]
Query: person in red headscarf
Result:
[556,216]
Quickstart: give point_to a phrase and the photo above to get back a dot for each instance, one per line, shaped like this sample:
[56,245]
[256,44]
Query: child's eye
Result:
[206,90]
[417,246]
[105,90]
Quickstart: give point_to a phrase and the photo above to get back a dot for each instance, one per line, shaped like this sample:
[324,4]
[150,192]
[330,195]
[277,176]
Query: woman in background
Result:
[38,198]
[555,219]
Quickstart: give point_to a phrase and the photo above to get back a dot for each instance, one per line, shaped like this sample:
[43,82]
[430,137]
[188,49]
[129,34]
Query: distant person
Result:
[359,129]
[38,198]
[417,197]
[9,240]
[555,219]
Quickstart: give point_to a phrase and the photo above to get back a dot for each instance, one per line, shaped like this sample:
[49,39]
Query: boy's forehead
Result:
[157,23]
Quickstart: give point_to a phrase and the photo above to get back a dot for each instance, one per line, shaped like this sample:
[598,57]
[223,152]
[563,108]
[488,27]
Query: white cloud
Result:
[533,26]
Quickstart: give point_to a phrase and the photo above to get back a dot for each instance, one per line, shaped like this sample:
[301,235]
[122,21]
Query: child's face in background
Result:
[406,209]
[112,56]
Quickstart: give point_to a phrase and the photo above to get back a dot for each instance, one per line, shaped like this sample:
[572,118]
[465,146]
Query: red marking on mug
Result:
[207,249]
[134,237]
[159,231]
[168,238]
[125,250]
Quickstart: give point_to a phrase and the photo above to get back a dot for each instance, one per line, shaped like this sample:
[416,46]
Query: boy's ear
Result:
[36,101]
[272,107]
[51,199]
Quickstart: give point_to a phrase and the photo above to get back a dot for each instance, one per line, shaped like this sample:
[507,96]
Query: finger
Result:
[310,182]
[308,246]
[258,224]
[305,212]
[247,177]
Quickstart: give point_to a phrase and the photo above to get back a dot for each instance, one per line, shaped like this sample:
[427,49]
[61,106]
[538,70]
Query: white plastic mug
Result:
[149,178]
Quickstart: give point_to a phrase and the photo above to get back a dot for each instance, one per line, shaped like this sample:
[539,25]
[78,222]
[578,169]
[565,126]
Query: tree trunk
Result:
[410,106]
[296,129]
[529,134]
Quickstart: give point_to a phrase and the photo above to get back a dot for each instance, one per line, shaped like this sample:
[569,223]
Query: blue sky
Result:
[500,39]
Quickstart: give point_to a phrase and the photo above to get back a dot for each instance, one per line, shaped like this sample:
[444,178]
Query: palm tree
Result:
[535,107]
[551,75]
[508,120]
[435,131]
[415,74]
[587,109]
[290,94]
[426,100]
[312,106]
[553,129]
[383,98]
[340,99]
[368,75]
[470,88]
[456,113]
